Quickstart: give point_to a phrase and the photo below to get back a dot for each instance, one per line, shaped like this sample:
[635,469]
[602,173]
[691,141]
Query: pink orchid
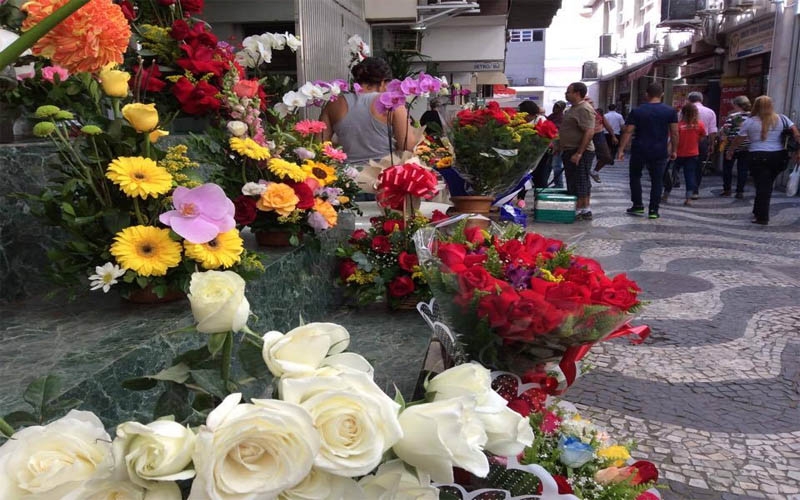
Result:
[49,73]
[200,213]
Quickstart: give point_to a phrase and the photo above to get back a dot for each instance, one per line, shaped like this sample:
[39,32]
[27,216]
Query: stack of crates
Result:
[554,205]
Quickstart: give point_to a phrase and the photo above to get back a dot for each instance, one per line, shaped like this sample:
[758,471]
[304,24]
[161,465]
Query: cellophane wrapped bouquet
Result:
[517,299]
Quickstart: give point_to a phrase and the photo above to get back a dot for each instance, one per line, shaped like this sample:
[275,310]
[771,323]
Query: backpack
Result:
[787,137]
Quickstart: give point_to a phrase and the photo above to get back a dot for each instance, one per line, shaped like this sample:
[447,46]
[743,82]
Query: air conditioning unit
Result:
[608,45]
[589,71]
[738,5]
[643,39]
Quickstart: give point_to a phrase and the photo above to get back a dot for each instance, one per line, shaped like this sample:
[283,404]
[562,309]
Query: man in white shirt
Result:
[709,119]
[617,122]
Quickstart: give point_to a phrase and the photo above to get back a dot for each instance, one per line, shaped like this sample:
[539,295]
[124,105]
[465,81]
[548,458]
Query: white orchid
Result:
[312,91]
[292,42]
[294,99]
[105,276]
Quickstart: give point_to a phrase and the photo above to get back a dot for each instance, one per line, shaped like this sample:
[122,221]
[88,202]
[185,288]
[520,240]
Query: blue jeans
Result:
[656,169]
[558,170]
[690,165]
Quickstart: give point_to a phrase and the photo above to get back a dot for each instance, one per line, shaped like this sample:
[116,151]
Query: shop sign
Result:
[702,66]
[730,87]
[752,40]
[470,66]
[680,94]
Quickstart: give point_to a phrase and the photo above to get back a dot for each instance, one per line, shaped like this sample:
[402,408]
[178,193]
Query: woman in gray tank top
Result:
[360,129]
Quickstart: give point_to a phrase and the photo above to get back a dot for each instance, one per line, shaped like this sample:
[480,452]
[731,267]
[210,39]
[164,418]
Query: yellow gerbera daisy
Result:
[249,148]
[223,251]
[147,250]
[319,171]
[137,176]
[287,170]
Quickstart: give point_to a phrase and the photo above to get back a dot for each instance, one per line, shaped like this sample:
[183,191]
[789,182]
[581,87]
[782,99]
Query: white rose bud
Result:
[440,435]
[218,301]
[302,350]
[356,420]
[469,379]
[237,128]
[55,460]
[159,451]
[508,432]
[319,484]
[125,490]
[253,189]
[393,481]
[252,451]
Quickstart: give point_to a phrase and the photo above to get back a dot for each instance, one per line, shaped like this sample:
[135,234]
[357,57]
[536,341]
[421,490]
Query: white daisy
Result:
[105,276]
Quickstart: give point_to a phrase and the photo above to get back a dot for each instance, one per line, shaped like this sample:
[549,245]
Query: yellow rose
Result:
[143,117]
[278,197]
[115,82]
[157,134]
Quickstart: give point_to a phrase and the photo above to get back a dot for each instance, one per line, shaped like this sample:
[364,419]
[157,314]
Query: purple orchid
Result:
[429,84]
[519,277]
[389,101]
[410,86]
[200,214]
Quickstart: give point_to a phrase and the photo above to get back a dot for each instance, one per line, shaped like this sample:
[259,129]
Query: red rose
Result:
[438,215]
[563,486]
[196,99]
[476,278]
[452,256]
[150,78]
[304,193]
[401,286]
[514,252]
[199,34]
[536,244]
[520,406]
[127,10]
[531,315]
[246,88]
[245,210]
[474,259]
[541,286]
[546,129]
[191,7]
[621,299]
[381,244]
[358,235]
[646,495]
[568,296]
[474,234]
[587,263]
[495,307]
[646,472]
[392,225]
[347,268]
[622,281]
[180,29]
[407,261]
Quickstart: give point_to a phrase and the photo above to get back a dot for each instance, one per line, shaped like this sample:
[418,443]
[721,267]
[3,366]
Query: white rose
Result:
[159,451]
[440,435]
[125,490]
[356,420]
[218,301]
[52,461]
[469,379]
[303,349]
[237,128]
[253,451]
[319,484]
[253,189]
[393,481]
[292,42]
[508,432]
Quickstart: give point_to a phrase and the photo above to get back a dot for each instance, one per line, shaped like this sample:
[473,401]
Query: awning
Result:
[635,75]
[490,78]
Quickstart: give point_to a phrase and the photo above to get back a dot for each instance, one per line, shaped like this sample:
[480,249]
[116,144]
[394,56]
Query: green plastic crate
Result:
[551,191]
[558,208]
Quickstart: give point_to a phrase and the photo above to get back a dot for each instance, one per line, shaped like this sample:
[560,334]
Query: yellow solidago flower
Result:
[147,250]
[223,251]
[249,148]
[287,170]
[362,278]
[322,173]
[616,454]
[548,276]
[137,176]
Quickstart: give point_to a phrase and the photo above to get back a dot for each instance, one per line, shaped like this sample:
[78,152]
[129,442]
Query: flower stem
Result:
[147,145]
[115,105]
[139,216]
[227,351]
[30,37]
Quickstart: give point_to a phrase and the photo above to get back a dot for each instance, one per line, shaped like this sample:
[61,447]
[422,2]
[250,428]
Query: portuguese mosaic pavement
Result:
[712,396]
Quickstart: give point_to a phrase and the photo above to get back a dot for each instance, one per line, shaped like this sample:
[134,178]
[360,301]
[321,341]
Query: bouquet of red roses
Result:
[517,299]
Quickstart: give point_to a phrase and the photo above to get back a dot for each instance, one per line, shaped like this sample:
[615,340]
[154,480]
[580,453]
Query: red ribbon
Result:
[396,182]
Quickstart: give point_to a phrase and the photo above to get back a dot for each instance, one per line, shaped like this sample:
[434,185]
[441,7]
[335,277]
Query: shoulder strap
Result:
[784,121]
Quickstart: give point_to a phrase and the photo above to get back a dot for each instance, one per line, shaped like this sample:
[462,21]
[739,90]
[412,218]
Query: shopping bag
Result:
[794,181]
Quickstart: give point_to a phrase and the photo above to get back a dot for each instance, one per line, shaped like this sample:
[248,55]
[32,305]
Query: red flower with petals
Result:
[381,244]
[310,127]
[438,215]
[149,78]
[347,268]
[246,210]
[358,235]
[392,225]
[196,99]
[401,286]
[304,193]
[201,59]
[246,88]
[646,472]
[546,128]
[192,7]
[180,30]
[407,261]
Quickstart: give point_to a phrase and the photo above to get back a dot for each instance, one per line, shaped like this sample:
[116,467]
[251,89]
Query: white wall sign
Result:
[750,41]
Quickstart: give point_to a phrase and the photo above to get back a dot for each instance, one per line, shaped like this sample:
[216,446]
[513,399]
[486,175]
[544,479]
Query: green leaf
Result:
[294,240]
[252,360]
[67,208]
[193,357]
[41,392]
[177,373]
[216,341]
[21,419]
[60,407]
[6,429]
[174,401]
[139,383]
[203,402]
[211,382]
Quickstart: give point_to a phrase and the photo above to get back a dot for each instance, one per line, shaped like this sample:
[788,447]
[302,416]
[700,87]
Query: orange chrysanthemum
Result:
[93,36]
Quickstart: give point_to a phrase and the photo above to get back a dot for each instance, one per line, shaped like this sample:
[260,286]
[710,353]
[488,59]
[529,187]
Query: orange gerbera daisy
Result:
[93,36]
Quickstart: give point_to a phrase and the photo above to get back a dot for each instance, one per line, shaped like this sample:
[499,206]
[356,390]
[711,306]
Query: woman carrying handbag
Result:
[768,154]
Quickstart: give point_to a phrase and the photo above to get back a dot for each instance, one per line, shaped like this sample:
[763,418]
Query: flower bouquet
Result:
[435,151]
[517,300]
[494,149]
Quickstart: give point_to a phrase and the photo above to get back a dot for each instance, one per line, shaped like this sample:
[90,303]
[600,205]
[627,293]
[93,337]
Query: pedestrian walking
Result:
[709,119]
[768,155]
[557,116]
[730,129]
[577,150]
[616,121]
[601,150]
[541,174]
[654,127]
[690,132]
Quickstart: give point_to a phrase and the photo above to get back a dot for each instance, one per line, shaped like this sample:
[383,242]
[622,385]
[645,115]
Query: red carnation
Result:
[347,268]
[196,99]
[245,210]
[381,244]
[407,261]
[474,234]
[392,225]
[180,30]
[127,10]
[401,286]
[191,7]
[149,78]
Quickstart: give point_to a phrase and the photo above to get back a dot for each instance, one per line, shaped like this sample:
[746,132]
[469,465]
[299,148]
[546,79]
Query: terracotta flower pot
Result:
[480,205]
